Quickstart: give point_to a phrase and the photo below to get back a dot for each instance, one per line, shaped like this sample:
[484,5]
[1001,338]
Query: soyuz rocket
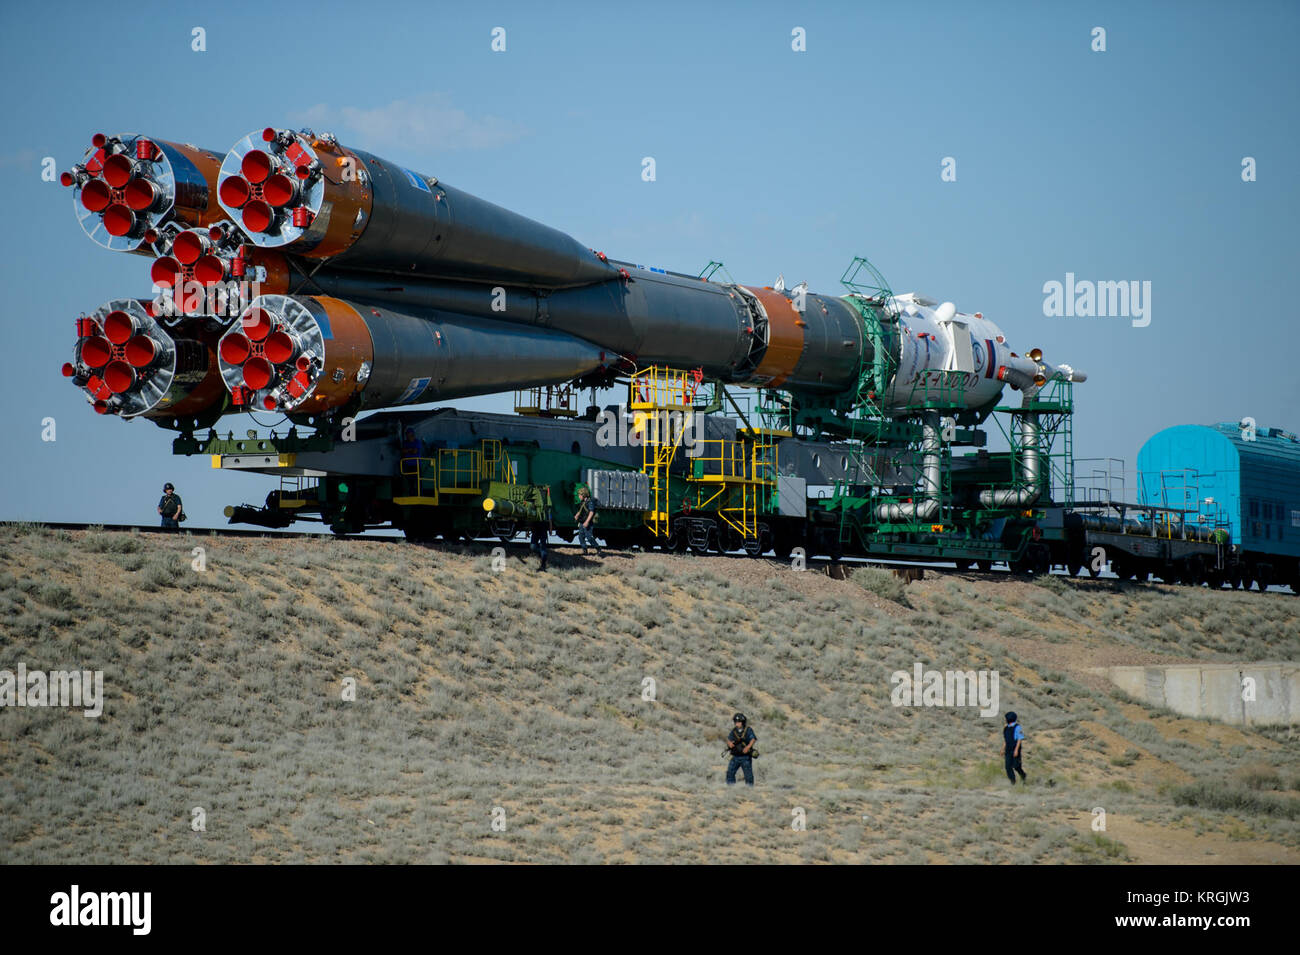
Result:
[300,275]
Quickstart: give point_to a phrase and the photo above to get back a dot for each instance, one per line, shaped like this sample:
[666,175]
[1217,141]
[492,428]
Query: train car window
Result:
[1254,508]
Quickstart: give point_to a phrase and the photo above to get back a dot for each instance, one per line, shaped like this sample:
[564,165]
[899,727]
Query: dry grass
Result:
[479,689]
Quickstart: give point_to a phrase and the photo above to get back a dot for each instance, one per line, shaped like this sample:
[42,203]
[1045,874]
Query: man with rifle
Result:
[740,744]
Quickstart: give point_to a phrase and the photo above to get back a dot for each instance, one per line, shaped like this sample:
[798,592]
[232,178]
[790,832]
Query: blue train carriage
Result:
[1243,475]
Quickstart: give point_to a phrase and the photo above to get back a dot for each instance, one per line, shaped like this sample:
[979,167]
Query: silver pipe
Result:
[931,478]
[1030,469]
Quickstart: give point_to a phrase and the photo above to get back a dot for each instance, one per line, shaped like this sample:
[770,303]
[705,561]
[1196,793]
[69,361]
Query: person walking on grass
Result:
[541,533]
[1013,741]
[586,518]
[169,508]
[740,744]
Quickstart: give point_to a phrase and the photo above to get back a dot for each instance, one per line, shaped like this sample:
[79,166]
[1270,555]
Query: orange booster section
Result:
[128,187]
[285,188]
[303,355]
[130,365]
[785,342]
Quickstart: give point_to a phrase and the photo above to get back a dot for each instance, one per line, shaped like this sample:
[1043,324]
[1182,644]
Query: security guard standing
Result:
[740,744]
[170,509]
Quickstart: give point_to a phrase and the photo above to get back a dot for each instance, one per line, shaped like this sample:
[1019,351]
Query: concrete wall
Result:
[1215,690]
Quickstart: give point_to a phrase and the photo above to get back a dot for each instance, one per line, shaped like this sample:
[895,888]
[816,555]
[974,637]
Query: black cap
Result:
[1011,717]
[739,718]
[168,487]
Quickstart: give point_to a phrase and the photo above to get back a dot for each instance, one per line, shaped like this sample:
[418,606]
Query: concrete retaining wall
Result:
[1216,690]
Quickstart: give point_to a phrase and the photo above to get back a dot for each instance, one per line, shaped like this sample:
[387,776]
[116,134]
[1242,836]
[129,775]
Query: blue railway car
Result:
[1245,475]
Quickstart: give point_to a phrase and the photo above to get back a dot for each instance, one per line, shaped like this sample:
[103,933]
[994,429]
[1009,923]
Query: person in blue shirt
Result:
[740,744]
[1013,741]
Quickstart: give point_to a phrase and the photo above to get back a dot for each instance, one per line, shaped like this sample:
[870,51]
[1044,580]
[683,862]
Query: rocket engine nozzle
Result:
[126,187]
[209,272]
[130,366]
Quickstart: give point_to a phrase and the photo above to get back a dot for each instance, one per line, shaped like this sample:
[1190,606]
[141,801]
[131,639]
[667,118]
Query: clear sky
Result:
[1114,166]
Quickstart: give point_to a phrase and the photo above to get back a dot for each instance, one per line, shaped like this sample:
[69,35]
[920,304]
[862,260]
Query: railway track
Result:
[819,564]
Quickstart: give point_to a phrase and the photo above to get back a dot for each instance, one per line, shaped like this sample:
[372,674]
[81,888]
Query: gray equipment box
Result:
[619,490]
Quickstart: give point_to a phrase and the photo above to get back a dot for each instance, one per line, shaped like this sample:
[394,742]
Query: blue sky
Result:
[1122,165]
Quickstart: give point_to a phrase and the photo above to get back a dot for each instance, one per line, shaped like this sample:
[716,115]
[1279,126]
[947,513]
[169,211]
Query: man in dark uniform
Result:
[541,533]
[740,744]
[1013,738]
[169,508]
